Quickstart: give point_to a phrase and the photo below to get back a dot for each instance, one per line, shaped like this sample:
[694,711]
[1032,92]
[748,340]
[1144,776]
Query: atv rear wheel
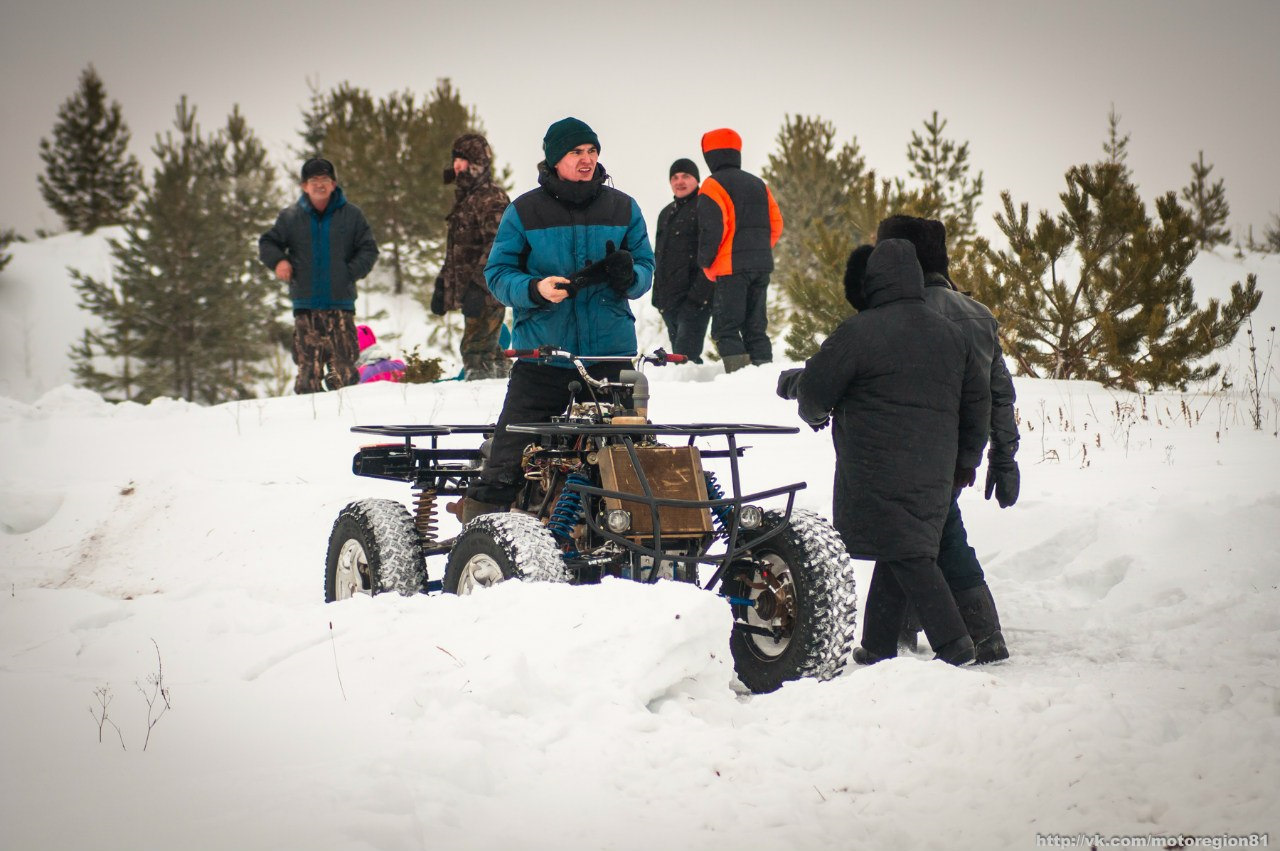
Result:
[496,547]
[373,548]
[805,605]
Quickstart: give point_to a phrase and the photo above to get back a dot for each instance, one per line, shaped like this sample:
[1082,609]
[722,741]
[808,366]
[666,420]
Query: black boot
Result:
[978,608]
[957,652]
[863,656]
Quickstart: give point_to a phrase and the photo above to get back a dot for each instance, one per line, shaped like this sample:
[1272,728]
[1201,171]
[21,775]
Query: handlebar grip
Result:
[677,358]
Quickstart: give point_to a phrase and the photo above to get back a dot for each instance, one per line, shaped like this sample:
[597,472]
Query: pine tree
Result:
[830,202]
[1208,206]
[1117,146]
[90,178]
[183,313]
[947,191]
[7,236]
[389,155]
[1271,235]
[1128,318]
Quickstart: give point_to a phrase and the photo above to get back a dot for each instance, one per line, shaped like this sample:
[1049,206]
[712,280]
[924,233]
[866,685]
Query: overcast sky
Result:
[1029,84]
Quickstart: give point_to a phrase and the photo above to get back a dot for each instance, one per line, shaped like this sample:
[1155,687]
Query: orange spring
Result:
[424,514]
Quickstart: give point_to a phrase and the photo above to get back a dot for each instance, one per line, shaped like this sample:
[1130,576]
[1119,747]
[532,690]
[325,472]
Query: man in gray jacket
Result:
[321,246]
[958,561]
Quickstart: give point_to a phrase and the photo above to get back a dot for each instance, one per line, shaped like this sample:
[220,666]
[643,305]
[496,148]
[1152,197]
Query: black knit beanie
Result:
[565,135]
[685,165]
[315,167]
[929,236]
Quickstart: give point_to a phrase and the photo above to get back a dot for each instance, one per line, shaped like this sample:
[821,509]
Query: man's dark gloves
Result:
[620,267]
[1003,478]
[964,477]
[437,297]
[789,383]
[617,269]
[701,291]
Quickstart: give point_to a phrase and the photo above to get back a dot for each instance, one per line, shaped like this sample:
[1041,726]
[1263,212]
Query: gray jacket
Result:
[329,252]
[982,331]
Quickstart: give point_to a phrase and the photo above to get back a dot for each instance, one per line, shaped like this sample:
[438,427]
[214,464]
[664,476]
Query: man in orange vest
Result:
[738,225]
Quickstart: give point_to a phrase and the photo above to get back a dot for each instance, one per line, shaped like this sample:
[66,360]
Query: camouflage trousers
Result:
[481,357]
[325,350]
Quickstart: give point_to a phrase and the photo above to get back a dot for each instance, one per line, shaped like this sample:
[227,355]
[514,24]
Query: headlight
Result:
[617,521]
[750,516]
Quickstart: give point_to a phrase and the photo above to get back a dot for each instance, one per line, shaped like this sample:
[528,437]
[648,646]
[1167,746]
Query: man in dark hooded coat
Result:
[910,408]
[956,558]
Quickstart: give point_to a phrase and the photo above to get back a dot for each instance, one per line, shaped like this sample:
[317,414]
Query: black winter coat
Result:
[909,405]
[676,274]
[329,252]
[982,330]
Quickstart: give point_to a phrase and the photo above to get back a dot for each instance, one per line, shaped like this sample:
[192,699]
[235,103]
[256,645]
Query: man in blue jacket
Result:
[321,246]
[538,267]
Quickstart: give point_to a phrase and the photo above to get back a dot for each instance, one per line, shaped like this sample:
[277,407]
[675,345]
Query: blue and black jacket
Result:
[329,250]
[557,229]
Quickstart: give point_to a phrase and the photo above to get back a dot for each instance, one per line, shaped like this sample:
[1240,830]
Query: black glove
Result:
[621,268]
[964,477]
[437,297]
[789,383]
[473,301]
[701,291]
[826,421]
[1003,478]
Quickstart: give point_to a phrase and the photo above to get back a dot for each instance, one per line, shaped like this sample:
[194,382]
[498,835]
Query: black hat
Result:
[565,135]
[929,236]
[685,165]
[854,271]
[315,167]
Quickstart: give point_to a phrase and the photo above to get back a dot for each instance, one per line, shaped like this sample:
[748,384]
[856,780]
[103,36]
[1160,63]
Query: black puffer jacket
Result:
[977,324]
[909,404]
[676,273]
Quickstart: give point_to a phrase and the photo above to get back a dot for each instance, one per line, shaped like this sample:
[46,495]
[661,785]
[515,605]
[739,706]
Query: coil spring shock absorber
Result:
[721,513]
[424,515]
[568,509]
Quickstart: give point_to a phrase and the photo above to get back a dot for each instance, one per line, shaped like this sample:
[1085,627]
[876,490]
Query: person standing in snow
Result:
[910,407]
[321,246]
[478,204]
[568,257]
[681,292]
[738,225]
[958,561]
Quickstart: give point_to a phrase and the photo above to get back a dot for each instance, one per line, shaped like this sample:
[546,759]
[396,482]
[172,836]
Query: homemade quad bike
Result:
[608,493]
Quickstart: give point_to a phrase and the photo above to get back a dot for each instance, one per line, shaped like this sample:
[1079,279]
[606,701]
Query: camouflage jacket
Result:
[477,208]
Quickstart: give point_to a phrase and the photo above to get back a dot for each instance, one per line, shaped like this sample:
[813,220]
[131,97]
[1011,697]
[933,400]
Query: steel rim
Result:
[351,574]
[480,571]
[775,594]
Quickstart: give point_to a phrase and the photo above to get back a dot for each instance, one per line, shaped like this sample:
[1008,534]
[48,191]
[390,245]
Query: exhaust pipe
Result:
[639,390]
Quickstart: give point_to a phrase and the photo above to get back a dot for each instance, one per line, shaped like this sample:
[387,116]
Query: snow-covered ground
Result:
[1137,579]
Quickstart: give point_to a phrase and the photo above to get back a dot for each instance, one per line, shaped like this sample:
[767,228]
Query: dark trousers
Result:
[535,393]
[325,349]
[687,325]
[957,560]
[894,584]
[739,317]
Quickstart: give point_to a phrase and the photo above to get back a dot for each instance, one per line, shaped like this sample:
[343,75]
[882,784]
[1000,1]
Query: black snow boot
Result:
[863,656]
[957,652]
[978,608]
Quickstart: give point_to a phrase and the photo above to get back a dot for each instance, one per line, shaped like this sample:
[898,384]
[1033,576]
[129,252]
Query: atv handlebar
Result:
[547,353]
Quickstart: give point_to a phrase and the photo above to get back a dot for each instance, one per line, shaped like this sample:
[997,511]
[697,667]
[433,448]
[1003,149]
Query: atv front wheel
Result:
[373,548]
[801,623]
[496,547]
